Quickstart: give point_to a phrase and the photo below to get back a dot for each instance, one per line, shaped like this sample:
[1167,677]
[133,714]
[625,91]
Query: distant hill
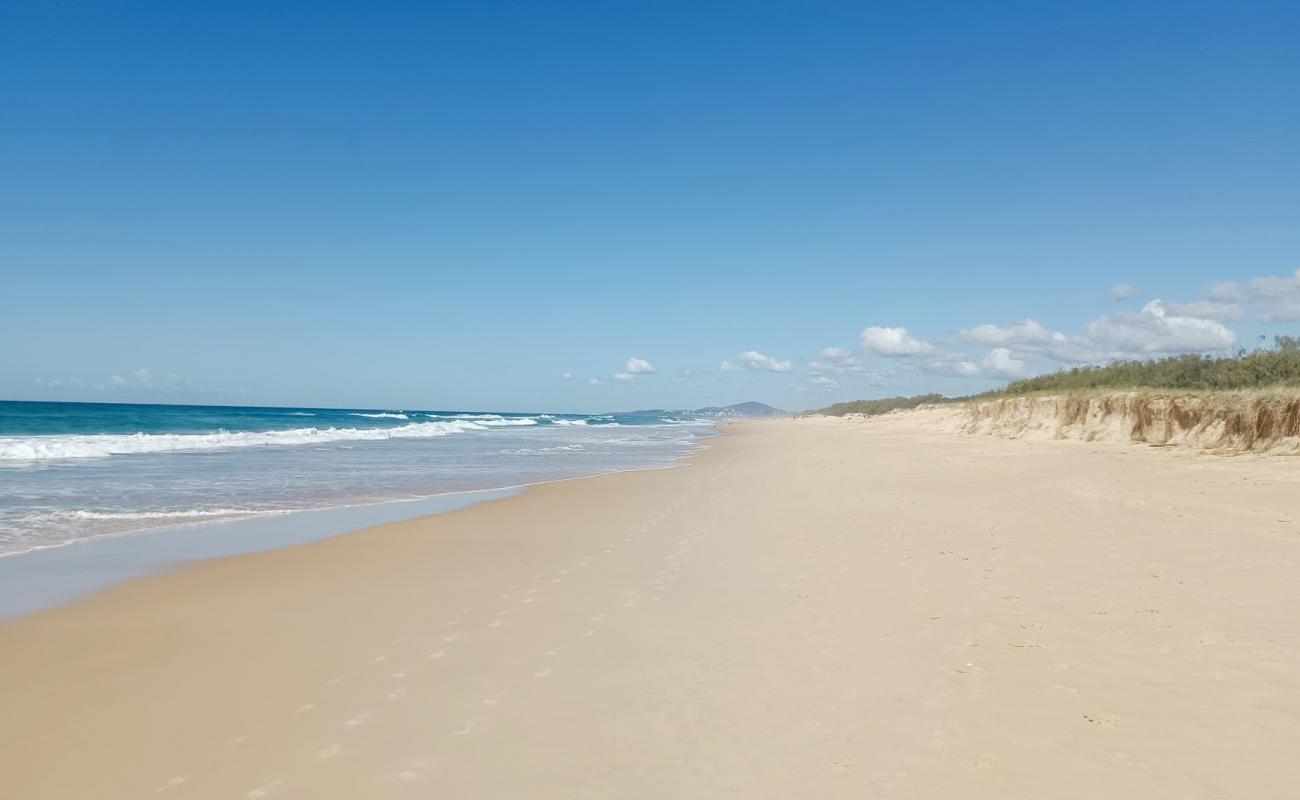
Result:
[749,409]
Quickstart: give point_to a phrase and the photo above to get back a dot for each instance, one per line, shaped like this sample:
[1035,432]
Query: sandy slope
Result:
[812,609]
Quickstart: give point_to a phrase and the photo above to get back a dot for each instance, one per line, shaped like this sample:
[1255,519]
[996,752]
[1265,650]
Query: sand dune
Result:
[809,609]
[1260,421]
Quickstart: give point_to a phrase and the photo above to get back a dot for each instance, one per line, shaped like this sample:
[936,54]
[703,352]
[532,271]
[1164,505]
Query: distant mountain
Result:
[750,409]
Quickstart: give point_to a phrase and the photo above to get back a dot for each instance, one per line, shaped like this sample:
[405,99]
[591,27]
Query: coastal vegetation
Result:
[1267,367]
[884,405]
[1256,369]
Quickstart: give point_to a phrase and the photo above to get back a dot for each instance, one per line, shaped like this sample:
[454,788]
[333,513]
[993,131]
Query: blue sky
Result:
[457,204]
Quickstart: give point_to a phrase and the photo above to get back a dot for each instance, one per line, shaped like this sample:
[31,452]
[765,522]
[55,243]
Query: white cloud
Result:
[843,362]
[1155,331]
[568,376]
[639,366]
[894,342]
[818,383]
[756,360]
[137,379]
[727,366]
[1225,292]
[954,365]
[1018,349]
[635,366]
[1276,299]
[1027,333]
[594,381]
[1218,310]
[1001,363]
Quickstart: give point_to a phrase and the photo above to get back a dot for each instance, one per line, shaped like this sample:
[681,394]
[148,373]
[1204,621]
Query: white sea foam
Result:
[384,415]
[532,451]
[194,513]
[492,420]
[42,448]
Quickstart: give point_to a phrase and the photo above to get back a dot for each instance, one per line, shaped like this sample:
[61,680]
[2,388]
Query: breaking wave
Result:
[43,448]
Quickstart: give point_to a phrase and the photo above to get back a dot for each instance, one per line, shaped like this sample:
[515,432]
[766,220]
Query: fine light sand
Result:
[809,609]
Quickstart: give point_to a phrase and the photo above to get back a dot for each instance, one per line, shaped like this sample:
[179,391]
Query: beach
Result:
[810,608]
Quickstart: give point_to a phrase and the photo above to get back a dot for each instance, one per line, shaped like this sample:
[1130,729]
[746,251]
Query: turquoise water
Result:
[76,471]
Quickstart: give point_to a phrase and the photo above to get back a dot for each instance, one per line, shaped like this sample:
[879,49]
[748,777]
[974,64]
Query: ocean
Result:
[72,472]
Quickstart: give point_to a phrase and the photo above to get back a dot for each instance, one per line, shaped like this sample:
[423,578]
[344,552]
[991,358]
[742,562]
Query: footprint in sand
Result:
[546,671]
[464,731]
[264,789]
[378,660]
[986,761]
[173,782]
[304,708]
[397,694]
[358,720]
[326,753]
[437,654]
[413,773]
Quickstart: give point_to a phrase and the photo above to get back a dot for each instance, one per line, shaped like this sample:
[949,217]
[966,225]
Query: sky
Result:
[601,206]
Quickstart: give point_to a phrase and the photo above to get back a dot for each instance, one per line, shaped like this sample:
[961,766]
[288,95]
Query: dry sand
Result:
[809,609]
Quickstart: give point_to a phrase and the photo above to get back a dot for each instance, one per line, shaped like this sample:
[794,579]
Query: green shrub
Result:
[1279,366]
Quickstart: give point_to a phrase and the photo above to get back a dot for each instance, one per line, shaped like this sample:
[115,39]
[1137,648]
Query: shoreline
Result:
[51,576]
[805,608]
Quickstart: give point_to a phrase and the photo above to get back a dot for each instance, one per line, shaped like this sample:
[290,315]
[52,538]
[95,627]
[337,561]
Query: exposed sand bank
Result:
[811,609]
[1262,421]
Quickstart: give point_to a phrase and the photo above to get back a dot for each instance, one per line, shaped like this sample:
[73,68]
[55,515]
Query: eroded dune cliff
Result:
[1260,421]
